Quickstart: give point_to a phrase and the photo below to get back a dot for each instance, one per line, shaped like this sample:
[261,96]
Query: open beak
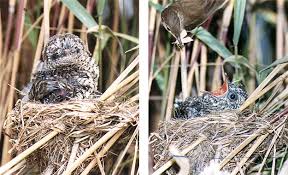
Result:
[222,90]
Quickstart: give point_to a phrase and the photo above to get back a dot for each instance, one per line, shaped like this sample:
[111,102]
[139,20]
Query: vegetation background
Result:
[248,41]
[240,40]
[25,26]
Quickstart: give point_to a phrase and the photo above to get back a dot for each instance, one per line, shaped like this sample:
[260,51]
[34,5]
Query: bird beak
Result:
[179,39]
[222,90]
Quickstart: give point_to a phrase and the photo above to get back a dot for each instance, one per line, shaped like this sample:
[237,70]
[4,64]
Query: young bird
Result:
[185,15]
[67,71]
[229,97]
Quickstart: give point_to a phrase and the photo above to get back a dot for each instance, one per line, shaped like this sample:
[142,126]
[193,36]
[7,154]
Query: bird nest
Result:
[224,141]
[73,136]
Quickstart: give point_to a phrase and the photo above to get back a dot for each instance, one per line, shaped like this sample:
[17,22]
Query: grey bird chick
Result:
[51,90]
[188,14]
[65,62]
[229,97]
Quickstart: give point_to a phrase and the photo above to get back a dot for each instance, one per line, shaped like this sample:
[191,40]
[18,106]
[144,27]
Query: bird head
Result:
[228,96]
[172,22]
[64,50]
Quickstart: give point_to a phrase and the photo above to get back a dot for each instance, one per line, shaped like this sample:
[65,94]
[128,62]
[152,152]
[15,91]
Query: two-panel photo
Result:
[212,98]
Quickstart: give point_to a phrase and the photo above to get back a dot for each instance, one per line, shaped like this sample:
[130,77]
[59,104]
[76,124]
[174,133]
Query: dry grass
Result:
[85,123]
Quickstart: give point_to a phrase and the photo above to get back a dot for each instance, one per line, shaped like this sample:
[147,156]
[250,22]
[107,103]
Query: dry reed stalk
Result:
[251,99]
[132,78]
[274,161]
[132,172]
[160,68]
[73,154]
[270,86]
[203,70]
[168,164]
[239,148]
[123,153]
[103,151]
[8,32]
[71,19]
[121,77]
[33,26]
[1,37]
[16,168]
[249,153]
[171,86]
[280,29]
[90,151]
[38,48]
[154,19]
[252,53]
[280,97]
[269,149]
[197,79]
[126,86]
[61,18]
[46,19]
[271,97]
[4,79]
[184,73]
[152,41]
[89,7]
[28,151]
[193,60]
[16,59]
[115,56]
[99,164]
[248,140]
[134,98]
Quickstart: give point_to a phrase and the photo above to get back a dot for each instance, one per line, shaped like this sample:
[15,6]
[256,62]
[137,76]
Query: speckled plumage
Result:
[67,62]
[208,103]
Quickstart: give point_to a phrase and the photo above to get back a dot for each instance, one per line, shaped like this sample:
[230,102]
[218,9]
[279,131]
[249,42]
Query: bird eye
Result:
[232,96]
[54,56]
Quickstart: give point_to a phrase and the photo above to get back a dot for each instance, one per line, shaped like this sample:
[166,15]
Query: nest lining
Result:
[83,122]
[223,133]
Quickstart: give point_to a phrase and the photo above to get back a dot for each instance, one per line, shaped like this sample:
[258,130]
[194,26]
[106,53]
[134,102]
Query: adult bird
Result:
[183,15]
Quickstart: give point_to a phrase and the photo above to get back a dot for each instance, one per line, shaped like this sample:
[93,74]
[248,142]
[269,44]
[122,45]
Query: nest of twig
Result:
[229,139]
[78,130]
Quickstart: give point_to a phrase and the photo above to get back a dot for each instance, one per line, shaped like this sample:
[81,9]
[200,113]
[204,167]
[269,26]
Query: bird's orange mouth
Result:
[221,91]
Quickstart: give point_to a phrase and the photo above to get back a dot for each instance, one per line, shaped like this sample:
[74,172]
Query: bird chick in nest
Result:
[65,71]
[229,96]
